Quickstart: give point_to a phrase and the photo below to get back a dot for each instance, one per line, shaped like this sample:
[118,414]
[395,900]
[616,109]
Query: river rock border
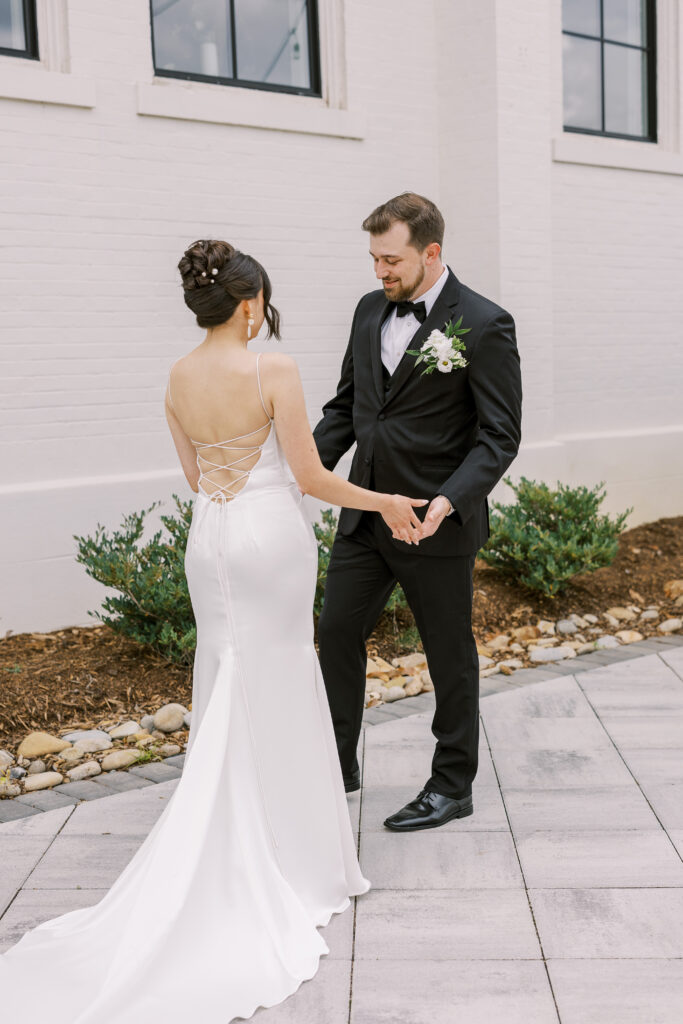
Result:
[107,783]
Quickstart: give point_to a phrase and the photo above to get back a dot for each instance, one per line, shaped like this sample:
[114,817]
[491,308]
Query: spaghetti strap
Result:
[258,378]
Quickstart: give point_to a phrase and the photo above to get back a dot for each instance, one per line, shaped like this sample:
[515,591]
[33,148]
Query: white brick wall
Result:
[459,102]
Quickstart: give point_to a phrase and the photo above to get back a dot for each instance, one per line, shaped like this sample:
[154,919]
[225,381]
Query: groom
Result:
[447,436]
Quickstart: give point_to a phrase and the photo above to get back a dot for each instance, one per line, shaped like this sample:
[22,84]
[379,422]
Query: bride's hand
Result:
[399,516]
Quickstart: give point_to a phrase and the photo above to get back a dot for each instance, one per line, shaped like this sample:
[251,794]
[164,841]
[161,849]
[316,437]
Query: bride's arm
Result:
[282,385]
[186,450]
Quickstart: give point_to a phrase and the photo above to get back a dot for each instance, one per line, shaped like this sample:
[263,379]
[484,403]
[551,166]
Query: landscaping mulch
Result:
[82,677]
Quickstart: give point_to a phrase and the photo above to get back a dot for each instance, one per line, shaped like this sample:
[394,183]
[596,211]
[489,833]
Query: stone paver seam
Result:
[521,869]
[20,887]
[644,795]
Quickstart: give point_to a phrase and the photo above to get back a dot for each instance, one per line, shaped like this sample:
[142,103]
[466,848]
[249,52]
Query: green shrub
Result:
[549,536]
[324,535]
[153,604]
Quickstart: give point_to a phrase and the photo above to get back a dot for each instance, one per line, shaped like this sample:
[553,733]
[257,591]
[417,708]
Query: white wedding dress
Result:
[217,912]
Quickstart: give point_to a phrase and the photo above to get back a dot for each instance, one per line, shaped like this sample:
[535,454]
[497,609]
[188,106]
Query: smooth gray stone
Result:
[85,789]
[676,836]
[579,733]
[156,771]
[46,799]
[611,923]
[91,862]
[432,992]
[175,760]
[19,855]
[377,715]
[132,813]
[654,765]
[643,673]
[437,859]
[555,698]
[119,781]
[323,999]
[632,731]
[38,823]
[414,729]
[402,708]
[654,700]
[598,858]
[671,639]
[560,768]
[590,807]
[618,991]
[614,654]
[667,803]
[674,659]
[10,810]
[413,767]
[489,812]
[33,906]
[451,924]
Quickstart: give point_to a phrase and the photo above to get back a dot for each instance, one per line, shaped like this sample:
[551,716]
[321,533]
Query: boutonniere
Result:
[443,349]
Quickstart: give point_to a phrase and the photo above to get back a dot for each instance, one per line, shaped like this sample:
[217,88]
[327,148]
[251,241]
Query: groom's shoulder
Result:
[371,301]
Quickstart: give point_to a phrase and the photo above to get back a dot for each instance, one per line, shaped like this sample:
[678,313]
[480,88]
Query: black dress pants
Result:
[362,572]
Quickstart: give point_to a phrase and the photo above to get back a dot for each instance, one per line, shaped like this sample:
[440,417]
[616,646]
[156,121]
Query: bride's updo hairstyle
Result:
[217,277]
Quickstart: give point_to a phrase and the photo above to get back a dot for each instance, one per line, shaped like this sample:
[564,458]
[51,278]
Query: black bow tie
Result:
[418,309]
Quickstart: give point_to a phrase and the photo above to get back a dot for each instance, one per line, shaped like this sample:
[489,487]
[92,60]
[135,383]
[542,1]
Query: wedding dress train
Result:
[217,912]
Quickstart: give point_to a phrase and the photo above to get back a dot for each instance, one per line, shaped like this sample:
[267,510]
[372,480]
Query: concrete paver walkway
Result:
[559,899]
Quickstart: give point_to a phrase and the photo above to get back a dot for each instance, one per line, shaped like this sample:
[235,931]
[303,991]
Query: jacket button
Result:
[367,462]
[381,416]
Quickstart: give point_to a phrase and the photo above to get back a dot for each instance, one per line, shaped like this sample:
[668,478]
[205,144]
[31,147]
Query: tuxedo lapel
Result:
[442,310]
[376,349]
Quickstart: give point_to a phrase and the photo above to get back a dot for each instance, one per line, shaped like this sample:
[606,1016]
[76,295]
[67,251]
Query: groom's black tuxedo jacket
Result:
[443,433]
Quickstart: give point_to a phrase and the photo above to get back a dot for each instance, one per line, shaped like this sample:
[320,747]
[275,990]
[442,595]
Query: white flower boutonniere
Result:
[443,349]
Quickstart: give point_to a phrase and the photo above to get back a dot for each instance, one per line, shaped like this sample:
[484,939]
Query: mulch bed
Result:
[78,678]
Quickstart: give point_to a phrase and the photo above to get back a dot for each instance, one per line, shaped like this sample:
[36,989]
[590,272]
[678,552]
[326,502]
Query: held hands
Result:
[436,513]
[406,526]
[399,516]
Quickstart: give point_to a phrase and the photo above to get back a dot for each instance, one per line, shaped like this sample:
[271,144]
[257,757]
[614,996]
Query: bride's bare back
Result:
[210,398]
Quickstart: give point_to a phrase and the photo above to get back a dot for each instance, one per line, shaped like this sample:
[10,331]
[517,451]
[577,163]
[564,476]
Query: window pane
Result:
[625,90]
[581,16]
[12,35]
[625,21]
[272,42]
[193,36]
[581,82]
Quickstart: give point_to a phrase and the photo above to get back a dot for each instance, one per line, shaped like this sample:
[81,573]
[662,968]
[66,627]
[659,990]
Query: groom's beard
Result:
[402,291]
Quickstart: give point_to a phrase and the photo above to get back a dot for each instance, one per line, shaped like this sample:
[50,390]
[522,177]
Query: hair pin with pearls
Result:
[214,272]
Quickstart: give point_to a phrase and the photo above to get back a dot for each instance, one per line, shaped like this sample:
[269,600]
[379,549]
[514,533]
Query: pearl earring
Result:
[249,323]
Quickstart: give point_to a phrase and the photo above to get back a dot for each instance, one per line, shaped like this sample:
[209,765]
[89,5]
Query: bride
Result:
[217,912]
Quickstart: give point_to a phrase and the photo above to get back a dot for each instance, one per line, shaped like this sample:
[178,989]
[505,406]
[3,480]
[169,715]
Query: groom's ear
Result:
[432,253]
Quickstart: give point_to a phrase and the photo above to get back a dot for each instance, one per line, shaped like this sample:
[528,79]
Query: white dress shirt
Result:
[398,330]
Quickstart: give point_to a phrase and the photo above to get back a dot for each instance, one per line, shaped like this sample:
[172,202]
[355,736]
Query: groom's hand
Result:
[436,513]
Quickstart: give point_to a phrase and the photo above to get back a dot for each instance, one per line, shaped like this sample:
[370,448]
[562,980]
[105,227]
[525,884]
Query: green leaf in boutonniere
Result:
[443,349]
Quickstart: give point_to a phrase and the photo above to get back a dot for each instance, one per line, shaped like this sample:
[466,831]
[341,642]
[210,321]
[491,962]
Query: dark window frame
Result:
[315,88]
[650,50]
[30,51]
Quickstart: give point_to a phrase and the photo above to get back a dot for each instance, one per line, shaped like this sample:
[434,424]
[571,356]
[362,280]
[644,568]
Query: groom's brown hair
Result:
[422,216]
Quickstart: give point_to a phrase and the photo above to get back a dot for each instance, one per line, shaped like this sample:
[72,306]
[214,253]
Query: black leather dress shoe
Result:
[429,810]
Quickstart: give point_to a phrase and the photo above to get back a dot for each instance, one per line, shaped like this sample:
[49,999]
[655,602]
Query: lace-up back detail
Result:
[207,452]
